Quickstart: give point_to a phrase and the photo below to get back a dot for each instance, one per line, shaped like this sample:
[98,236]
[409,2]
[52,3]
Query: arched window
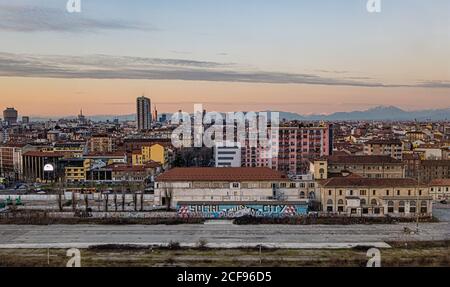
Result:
[302,194]
[401,207]
[423,207]
[363,201]
[373,202]
[412,206]
[330,205]
[390,207]
[340,202]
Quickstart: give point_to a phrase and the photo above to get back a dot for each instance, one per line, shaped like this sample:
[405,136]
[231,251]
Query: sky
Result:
[304,56]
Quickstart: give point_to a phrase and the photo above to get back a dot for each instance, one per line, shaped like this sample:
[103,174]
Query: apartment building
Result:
[296,145]
[151,153]
[390,147]
[100,143]
[433,169]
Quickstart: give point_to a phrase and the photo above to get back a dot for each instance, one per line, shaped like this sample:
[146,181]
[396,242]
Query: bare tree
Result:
[168,195]
[115,200]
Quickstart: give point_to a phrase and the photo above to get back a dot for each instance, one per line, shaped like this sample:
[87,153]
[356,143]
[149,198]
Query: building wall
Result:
[296,145]
[75,174]
[440,192]
[338,200]
[393,150]
[230,191]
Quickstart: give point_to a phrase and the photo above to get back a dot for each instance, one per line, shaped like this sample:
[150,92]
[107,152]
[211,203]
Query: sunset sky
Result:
[305,56]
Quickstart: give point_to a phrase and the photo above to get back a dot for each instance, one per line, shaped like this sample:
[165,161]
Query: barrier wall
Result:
[235,210]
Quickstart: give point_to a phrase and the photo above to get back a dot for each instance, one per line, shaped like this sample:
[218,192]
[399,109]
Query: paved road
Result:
[217,235]
[442,211]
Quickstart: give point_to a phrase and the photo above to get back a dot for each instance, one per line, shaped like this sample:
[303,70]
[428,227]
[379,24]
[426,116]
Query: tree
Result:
[168,195]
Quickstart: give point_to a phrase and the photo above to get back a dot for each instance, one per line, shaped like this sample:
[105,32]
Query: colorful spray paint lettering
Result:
[236,210]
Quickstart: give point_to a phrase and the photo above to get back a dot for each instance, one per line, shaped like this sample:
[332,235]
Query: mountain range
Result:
[372,114]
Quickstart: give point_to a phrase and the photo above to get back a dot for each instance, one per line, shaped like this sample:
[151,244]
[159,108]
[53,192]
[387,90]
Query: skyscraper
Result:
[10,116]
[144,113]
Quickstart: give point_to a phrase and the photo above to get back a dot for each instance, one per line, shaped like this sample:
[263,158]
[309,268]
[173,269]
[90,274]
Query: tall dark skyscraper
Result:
[144,113]
[10,116]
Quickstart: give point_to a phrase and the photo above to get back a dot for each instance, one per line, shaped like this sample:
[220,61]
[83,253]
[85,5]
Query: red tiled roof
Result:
[44,154]
[107,154]
[361,159]
[369,182]
[222,174]
[440,182]
[385,141]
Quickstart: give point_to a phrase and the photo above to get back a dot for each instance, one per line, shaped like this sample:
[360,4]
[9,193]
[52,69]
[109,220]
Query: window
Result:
[390,207]
[387,192]
[340,209]
[302,194]
[401,207]
[235,184]
[374,192]
[412,207]
[340,202]
[423,207]
[373,202]
[365,210]
[329,192]
[340,192]
[351,192]
[376,210]
[363,201]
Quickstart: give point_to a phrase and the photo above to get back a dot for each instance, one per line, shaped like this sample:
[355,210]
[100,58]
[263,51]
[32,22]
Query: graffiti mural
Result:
[236,210]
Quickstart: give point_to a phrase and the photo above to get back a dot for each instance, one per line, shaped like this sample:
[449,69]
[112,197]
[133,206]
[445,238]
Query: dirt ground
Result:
[420,254]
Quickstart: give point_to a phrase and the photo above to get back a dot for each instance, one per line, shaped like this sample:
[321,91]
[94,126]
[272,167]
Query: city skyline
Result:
[228,56]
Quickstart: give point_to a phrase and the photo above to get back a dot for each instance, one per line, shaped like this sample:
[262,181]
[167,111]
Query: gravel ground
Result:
[14,236]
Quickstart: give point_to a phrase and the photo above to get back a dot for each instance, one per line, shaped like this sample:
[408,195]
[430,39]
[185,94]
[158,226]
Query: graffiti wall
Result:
[227,210]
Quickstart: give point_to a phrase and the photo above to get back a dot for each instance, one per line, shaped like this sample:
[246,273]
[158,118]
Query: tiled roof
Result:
[385,141]
[360,159]
[107,154]
[440,182]
[44,154]
[369,182]
[222,174]
[442,162]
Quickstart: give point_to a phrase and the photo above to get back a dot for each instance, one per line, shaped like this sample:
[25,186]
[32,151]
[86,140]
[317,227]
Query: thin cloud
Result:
[126,67]
[45,19]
